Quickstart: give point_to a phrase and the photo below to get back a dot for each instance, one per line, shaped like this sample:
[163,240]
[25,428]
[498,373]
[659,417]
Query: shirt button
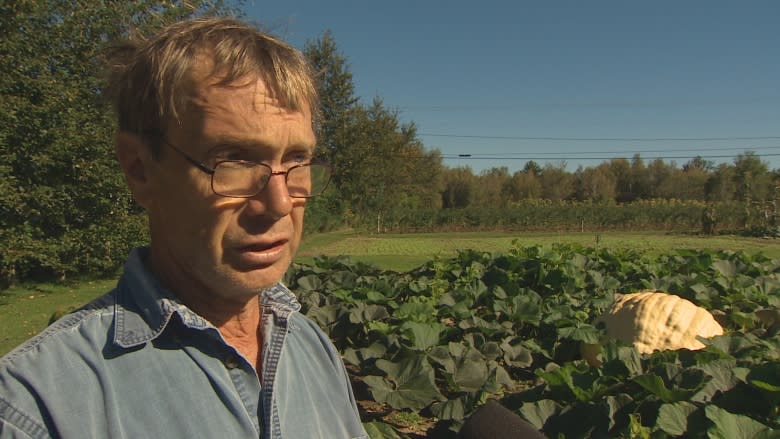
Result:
[231,362]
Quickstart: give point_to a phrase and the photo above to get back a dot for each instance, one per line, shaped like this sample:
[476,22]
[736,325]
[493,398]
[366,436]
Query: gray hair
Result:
[148,78]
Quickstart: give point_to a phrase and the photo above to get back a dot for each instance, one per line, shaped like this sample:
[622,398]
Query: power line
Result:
[604,139]
[609,103]
[678,150]
[618,156]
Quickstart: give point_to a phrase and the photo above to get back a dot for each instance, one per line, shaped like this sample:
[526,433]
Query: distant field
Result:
[25,310]
[406,251]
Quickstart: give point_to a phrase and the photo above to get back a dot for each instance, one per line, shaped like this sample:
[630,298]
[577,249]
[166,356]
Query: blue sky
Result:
[574,82]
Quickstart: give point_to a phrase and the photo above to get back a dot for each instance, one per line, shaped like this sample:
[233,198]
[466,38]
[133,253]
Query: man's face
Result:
[227,247]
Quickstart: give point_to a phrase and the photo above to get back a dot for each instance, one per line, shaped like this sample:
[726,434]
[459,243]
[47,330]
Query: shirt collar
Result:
[144,307]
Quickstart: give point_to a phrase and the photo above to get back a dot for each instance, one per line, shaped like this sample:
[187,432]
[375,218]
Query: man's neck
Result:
[241,327]
[239,320]
[243,331]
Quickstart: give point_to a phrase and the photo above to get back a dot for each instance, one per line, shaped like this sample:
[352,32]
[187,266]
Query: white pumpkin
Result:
[652,320]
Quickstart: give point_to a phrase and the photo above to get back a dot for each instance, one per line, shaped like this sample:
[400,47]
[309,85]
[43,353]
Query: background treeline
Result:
[585,216]
[387,180]
[64,208]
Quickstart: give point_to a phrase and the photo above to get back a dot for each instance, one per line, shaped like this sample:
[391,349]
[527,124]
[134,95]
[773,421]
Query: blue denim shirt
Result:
[137,363]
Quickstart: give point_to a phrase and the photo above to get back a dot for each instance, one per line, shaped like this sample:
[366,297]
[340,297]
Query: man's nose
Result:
[274,200]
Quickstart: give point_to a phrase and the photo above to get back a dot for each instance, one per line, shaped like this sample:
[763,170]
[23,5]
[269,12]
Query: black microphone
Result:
[494,421]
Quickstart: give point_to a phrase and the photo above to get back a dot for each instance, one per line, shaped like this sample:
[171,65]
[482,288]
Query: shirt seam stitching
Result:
[79,317]
[36,430]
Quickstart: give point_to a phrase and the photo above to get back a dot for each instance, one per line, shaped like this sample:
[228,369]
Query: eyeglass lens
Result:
[246,179]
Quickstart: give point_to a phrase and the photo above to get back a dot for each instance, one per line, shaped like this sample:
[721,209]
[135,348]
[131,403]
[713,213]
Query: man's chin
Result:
[254,277]
[259,278]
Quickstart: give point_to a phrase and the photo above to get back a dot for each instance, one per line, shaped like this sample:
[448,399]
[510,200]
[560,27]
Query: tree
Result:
[457,187]
[64,207]
[557,184]
[719,185]
[531,167]
[392,171]
[639,179]
[752,180]
[684,185]
[337,137]
[620,169]
[657,171]
[379,164]
[522,186]
[489,190]
[698,163]
[421,172]
[596,184]
[337,102]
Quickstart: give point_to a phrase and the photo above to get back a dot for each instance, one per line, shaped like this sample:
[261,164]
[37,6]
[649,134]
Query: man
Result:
[199,339]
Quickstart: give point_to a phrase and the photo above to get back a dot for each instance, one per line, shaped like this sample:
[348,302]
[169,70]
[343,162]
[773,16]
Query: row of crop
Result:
[539,215]
[440,340]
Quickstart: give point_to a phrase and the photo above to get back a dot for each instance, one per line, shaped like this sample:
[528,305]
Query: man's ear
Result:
[137,162]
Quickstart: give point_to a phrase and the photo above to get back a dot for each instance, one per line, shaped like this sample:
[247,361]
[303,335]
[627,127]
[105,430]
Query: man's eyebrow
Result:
[249,145]
[238,141]
[253,144]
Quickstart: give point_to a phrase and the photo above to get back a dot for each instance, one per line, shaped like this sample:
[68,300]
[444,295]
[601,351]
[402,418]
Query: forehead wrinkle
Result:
[261,103]
[241,105]
[205,76]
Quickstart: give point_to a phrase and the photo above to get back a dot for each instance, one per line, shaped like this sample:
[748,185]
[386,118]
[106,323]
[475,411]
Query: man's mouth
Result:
[261,254]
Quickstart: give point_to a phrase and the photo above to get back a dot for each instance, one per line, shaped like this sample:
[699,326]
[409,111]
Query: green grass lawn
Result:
[25,310]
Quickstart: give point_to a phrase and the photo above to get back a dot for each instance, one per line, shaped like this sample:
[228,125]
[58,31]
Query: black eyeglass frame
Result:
[211,171]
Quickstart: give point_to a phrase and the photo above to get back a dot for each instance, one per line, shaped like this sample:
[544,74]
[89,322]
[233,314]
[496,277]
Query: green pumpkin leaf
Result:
[766,377]
[615,405]
[422,335]
[309,283]
[515,353]
[471,371]
[441,355]
[673,418]
[380,430]
[723,379]
[655,385]
[730,426]
[538,412]
[583,332]
[409,383]
[450,409]
[725,268]
[363,313]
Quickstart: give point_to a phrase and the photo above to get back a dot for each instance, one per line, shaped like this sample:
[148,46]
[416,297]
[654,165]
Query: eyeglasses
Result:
[245,179]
